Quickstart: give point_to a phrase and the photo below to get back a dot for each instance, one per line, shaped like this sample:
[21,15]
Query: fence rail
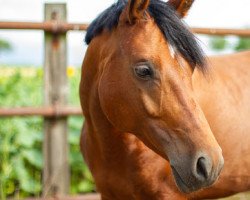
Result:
[61,27]
[83,197]
[52,26]
[222,31]
[49,111]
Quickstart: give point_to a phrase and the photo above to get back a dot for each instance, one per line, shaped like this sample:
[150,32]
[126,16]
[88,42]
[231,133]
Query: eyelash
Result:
[143,71]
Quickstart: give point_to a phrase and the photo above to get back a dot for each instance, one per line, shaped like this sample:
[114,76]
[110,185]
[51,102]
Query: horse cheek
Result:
[116,102]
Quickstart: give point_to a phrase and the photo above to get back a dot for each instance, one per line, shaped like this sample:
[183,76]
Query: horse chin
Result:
[182,186]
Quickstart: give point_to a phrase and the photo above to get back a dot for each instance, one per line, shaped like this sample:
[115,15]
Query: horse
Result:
[162,121]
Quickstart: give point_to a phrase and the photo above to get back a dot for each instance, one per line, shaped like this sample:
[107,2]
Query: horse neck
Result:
[110,143]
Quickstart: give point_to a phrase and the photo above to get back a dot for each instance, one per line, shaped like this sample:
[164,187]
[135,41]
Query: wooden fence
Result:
[55,110]
[62,27]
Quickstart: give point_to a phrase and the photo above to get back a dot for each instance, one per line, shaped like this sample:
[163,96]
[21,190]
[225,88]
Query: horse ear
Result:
[136,9]
[181,6]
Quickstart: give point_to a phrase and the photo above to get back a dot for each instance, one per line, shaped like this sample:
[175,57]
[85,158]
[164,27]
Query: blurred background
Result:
[27,46]
[21,83]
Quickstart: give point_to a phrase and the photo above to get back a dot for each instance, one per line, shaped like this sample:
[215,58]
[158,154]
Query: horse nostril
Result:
[202,168]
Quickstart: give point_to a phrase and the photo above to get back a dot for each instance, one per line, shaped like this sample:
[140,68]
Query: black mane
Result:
[175,31]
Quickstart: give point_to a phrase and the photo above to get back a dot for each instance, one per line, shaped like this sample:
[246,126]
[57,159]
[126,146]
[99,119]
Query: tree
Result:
[219,43]
[4,45]
[243,44]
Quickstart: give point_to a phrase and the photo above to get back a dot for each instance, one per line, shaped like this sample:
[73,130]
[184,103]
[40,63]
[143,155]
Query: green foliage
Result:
[218,43]
[4,45]
[243,44]
[21,160]
[221,43]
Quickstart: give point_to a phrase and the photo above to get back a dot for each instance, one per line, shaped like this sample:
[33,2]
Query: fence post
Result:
[55,146]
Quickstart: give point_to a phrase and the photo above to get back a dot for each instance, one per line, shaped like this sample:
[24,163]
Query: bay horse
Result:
[157,114]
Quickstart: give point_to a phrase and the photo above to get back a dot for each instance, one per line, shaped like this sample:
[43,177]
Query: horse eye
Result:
[143,71]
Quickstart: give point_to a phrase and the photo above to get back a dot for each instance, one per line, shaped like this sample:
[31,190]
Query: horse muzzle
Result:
[194,174]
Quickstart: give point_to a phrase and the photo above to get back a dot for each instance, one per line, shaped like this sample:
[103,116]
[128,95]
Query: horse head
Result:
[145,57]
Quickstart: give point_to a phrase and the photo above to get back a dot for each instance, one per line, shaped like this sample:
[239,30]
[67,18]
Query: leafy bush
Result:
[219,43]
[21,160]
[243,44]
[4,45]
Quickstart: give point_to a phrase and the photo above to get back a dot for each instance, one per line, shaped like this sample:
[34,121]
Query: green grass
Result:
[21,160]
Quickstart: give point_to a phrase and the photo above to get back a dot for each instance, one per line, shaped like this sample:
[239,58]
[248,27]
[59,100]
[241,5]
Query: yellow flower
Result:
[70,71]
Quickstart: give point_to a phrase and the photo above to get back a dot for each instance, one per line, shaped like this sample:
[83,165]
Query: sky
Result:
[28,45]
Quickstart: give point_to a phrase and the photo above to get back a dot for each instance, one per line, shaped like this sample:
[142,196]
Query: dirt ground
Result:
[242,196]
